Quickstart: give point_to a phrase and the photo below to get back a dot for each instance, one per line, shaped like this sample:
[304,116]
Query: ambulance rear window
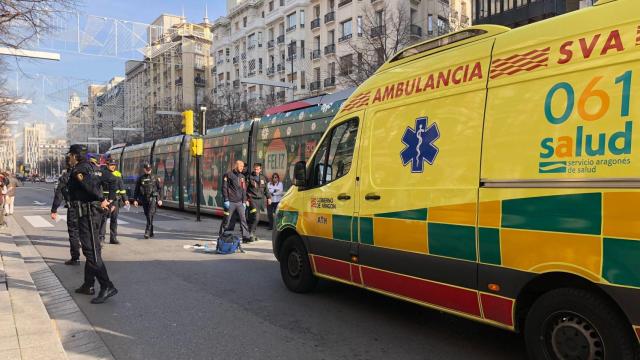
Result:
[430,45]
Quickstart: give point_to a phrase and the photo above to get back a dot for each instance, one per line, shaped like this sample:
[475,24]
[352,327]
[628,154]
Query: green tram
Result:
[277,140]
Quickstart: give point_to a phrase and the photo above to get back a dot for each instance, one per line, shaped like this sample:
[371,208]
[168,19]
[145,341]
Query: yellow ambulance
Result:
[493,174]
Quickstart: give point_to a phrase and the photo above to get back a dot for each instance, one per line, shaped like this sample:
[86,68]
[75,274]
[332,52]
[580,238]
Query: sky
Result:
[75,69]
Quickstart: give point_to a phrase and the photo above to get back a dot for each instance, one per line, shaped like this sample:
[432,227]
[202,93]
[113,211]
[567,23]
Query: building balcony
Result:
[220,61]
[281,68]
[415,31]
[345,37]
[291,57]
[315,24]
[251,47]
[315,54]
[236,83]
[280,39]
[330,49]
[280,95]
[315,85]
[271,70]
[200,82]
[236,59]
[344,2]
[330,17]
[330,82]
[377,31]
[251,73]
[291,28]
[271,44]
[243,56]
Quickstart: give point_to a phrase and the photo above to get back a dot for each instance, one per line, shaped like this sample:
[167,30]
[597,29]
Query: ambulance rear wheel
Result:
[576,324]
[295,266]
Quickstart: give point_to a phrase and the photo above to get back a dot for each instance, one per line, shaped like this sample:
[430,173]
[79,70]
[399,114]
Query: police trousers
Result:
[149,206]
[239,209]
[73,228]
[112,217]
[89,219]
[256,206]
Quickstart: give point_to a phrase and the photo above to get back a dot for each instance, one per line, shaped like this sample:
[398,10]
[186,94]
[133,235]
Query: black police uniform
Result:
[85,195]
[121,197]
[233,191]
[147,191]
[257,192]
[108,185]
[62,195]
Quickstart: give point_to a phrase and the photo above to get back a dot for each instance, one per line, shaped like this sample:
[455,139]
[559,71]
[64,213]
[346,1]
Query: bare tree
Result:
[385,30]
[24,20]
[232,107]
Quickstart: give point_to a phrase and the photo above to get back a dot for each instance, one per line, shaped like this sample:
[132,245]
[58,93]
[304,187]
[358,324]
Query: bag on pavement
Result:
[228,244]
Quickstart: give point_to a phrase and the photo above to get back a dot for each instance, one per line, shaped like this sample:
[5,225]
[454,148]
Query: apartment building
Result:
[34,136]
[282,50]
[8,157]
[108,111]
[515,13]
[135,100]
[177,73]
[51,157]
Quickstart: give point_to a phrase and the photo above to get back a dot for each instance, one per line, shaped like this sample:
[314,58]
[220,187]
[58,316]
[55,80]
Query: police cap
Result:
[146,166]
[112,161]
[78,149]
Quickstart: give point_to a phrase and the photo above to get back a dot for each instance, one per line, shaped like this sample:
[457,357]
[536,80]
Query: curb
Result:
[76,334]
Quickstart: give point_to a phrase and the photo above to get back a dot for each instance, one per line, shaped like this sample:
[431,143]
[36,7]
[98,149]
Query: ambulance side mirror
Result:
[300,174]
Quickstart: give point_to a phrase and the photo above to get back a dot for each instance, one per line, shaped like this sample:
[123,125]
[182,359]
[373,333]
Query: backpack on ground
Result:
[228,244]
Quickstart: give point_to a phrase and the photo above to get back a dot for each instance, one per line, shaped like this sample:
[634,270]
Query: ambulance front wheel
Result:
[295,267]
[577,324]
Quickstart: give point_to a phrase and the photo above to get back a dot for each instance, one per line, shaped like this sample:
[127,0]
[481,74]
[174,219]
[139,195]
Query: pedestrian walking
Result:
[120,200]
[259,198]
[11,193]
[276,189]
[3,195]
[86,195]
[108,186]
[148,192]
[235,199]
[61,194]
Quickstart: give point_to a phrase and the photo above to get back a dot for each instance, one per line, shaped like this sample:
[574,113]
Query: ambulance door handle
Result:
[344,197]
[372,196]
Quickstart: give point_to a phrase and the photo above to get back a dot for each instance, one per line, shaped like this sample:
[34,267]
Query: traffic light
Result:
[197,147]
[187,122]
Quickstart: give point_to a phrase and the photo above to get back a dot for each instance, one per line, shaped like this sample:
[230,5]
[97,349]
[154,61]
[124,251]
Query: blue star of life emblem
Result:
[420,145]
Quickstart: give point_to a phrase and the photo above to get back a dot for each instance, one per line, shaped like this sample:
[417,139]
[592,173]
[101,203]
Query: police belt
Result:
[84,207]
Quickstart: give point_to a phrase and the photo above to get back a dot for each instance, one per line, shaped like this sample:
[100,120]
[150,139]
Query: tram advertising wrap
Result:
[277,141]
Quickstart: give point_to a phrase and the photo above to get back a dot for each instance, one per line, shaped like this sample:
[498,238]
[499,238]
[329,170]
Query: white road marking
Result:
[120,222]
[38,221]
[35,202]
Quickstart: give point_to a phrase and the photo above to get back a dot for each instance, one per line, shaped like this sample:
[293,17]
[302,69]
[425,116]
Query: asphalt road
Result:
[177,304]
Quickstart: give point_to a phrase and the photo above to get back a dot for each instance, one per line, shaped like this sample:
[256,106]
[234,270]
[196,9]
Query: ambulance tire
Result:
[295,266]
[577,324]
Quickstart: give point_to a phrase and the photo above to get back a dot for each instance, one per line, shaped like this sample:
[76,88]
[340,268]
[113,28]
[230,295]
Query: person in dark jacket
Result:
[258,196]
[85,193]
[235,199]
[120,200]
[148,192]
[108,184]
[61,195]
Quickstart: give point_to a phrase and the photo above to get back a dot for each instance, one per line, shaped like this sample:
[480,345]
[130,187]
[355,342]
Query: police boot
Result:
[85,290]
[114,241]
[104,294]
[72,262]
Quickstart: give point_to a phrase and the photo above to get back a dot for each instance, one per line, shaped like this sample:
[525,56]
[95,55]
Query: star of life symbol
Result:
[420,147]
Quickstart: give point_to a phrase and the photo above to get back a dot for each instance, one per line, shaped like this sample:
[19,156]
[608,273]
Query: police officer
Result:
[85,194]
[148,192]
[258,194]
[235,199]
[62,194]
[108,185]
[120,200]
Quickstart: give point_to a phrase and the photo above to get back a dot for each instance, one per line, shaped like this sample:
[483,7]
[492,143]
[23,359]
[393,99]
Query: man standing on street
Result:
[86,195]
[235,199]
[148,192]
[120,200]
[258,193]
[62,194]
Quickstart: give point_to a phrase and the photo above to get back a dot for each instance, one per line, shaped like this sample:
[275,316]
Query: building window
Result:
[330,4]
[291,21]
[443,26]
[270,5]
[430,24]
[345,28]
[380,18]
[359,24]
[301,18]
[244,21]
[331,37]
[302,49]
[346,65]
[303,80]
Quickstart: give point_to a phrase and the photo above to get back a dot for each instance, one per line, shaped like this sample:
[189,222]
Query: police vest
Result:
[148,187]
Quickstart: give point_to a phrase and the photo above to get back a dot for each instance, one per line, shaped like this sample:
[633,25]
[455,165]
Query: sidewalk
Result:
[26,330]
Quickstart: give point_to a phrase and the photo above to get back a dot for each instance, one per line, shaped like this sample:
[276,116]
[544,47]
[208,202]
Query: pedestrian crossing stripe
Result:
[39,221]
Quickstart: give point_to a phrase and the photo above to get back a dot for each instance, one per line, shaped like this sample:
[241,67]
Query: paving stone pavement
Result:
[38,317]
